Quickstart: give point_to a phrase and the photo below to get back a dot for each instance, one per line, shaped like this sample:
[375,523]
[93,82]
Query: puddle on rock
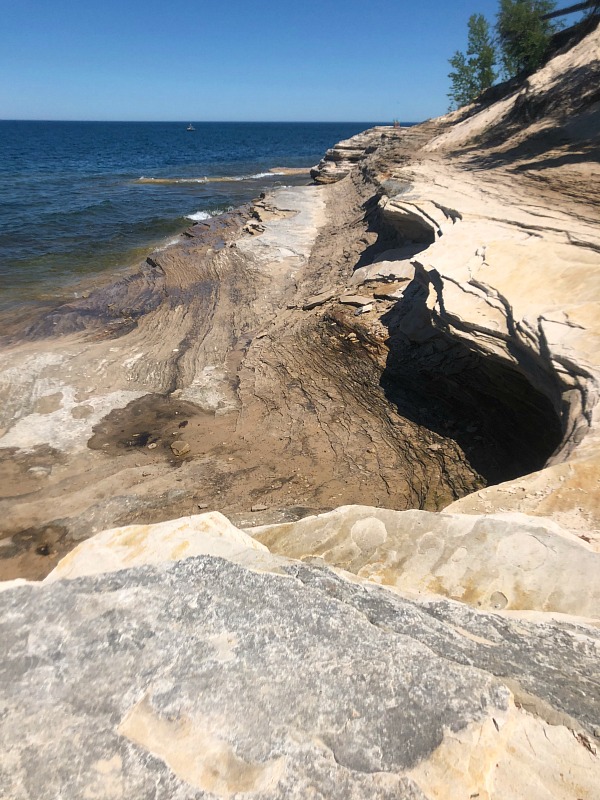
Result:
[152,423]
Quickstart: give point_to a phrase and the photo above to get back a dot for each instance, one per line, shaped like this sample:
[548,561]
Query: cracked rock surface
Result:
[201,679]
[443,646]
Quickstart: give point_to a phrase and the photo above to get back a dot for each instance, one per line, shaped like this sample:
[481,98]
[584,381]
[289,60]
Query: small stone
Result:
[152,445]
[202,505]
[317,300]
[258,508]
[355,300]
[180,448]
[40,472]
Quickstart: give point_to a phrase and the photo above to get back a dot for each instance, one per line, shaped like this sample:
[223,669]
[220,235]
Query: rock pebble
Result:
[180,448]
[355,300]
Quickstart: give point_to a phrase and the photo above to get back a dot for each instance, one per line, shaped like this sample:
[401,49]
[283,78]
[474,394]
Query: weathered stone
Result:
[317,300]
[355,299]
[202,679]
[136,545]
[384,271]
[392,293]
[340,159]
[180,448]
[534,563]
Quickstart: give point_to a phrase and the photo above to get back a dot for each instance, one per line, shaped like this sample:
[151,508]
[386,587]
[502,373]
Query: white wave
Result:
[263,175]
[211,178]
[198,216]
[167,244]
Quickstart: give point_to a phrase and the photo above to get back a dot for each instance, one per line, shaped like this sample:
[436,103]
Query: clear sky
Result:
[358,60]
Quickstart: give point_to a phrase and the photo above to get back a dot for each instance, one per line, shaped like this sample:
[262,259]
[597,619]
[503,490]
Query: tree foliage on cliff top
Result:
[474,72]
[523,34]
[521,44]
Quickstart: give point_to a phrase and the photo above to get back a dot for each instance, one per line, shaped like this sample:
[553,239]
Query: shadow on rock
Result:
[505,426]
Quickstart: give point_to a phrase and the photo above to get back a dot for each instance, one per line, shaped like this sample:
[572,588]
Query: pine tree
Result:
[523,35]
[474,72]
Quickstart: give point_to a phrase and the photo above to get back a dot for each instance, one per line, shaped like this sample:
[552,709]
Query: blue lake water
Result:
[79,198]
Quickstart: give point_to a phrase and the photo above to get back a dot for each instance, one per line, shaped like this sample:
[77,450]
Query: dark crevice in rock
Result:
[505,426]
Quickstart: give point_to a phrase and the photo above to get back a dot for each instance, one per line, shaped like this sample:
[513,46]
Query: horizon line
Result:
[220,121]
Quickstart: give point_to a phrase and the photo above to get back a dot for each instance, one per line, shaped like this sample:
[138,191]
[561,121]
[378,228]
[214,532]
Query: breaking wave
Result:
[212,179]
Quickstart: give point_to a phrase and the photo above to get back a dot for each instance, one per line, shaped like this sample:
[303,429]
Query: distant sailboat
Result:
[190,127]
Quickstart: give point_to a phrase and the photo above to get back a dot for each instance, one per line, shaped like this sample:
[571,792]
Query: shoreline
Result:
[315,315]
[322,491]
[66,287]
[48,297]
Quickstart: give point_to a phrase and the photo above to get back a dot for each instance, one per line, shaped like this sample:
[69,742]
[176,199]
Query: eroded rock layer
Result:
[203,679]
[421,329]
[421,333]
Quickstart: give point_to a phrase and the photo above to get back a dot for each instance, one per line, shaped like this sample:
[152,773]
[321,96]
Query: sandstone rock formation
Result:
[204,678]
[497,561]
[340,159]
[445,645]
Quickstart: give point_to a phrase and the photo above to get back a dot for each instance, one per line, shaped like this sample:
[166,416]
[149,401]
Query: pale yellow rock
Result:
[511,757]
[13,584]
[517,278]
[135,545]
[501,562]
[197,753]
[568,493]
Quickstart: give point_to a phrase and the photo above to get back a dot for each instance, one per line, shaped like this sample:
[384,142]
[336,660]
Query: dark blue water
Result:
[72,203]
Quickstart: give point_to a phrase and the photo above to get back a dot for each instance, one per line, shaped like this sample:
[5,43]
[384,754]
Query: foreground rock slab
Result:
[506,562]
[137,545]
[201,679]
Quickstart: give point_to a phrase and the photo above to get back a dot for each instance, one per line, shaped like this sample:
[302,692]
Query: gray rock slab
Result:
[201,679]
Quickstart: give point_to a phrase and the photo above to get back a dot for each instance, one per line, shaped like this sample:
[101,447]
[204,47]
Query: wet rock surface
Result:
[210,657]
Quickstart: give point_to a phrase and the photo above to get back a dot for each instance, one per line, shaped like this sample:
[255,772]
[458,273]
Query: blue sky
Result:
[219,60]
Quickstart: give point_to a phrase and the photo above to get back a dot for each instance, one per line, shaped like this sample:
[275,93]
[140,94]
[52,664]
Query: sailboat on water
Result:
[190,127]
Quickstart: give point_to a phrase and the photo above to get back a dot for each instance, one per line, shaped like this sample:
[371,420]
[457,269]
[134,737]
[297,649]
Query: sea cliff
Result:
[314,493]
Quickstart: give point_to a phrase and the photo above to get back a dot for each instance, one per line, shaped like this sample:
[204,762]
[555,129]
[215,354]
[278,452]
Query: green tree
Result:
[473,72]
[523,36]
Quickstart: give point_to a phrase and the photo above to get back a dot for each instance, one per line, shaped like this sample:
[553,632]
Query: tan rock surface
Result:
[136,545]
[501,562]
[512,757]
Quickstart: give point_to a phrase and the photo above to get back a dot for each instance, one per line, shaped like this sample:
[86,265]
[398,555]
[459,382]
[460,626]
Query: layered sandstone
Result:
[411,349]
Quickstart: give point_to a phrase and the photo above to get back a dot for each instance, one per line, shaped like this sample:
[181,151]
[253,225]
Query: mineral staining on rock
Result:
[287,684]
[418,332]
